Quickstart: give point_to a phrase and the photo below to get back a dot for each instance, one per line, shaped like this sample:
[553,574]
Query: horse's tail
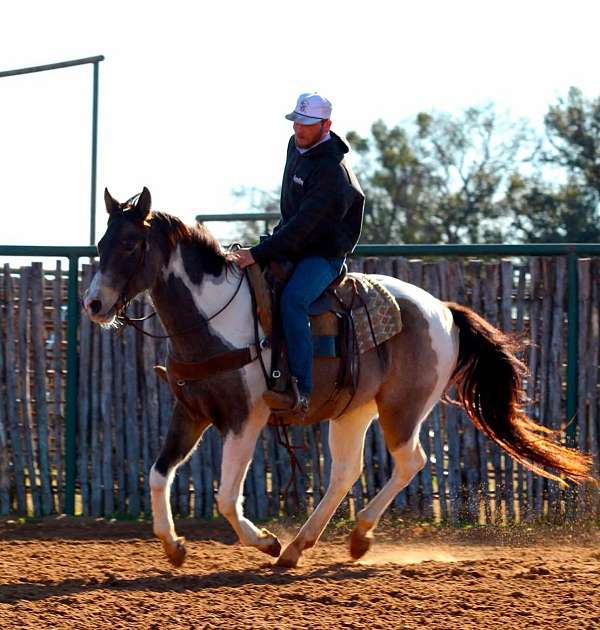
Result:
[488,378]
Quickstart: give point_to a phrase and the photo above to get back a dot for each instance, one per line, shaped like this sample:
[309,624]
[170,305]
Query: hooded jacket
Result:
[321,206]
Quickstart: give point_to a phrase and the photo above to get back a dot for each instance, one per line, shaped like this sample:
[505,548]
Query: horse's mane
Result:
[176,231]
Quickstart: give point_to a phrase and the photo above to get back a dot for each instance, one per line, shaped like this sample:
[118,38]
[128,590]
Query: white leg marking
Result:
[237,454]
[162,518]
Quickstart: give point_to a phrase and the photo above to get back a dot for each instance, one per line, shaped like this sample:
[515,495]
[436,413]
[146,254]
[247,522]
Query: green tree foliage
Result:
[573,130]
[440,179]
[398,187]
[565,206]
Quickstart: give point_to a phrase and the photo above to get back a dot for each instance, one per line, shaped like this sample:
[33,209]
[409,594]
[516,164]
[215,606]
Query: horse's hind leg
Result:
[346,440]
[183,435]
[409,459]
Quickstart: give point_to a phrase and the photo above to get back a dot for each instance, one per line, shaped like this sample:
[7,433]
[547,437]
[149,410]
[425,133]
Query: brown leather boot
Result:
[290,401]
[279,401]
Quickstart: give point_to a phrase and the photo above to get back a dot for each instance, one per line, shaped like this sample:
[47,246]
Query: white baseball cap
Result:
[310,109]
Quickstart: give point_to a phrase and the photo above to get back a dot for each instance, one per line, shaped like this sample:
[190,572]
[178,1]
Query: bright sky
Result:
[192,94]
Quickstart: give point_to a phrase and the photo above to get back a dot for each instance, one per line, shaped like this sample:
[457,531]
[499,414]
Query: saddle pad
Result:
[375,312]
[383,313]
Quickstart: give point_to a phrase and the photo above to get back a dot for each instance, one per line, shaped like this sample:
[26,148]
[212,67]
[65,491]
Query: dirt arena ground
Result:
[86,574]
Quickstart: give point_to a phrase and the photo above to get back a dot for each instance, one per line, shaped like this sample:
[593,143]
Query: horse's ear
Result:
[143,207]
[112,205]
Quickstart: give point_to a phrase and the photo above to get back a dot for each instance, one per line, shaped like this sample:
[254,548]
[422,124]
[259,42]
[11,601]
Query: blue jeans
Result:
[310,278]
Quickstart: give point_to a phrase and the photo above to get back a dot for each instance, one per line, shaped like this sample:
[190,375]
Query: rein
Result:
[131,321]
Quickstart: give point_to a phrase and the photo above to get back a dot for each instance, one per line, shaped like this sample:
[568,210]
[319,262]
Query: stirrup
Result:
[301,402]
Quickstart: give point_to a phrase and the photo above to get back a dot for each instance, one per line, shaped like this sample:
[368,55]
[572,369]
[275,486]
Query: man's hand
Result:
[243,257]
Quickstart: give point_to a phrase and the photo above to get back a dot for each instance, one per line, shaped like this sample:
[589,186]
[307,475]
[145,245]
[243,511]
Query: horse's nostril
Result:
[95,306]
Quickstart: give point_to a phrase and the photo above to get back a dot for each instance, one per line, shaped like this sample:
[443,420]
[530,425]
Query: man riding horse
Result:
[321,218]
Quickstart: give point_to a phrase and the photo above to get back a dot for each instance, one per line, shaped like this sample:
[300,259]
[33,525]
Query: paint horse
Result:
[205,306]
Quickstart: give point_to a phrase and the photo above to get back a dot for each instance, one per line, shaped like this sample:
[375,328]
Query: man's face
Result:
[308,135]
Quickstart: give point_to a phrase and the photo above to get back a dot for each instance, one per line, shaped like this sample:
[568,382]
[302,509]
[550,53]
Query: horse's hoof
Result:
[176,553]
[286,563]
[359,544]
[289,558]
[274,547]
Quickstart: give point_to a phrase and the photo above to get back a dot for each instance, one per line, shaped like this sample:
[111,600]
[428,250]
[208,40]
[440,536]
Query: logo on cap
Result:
[303,106]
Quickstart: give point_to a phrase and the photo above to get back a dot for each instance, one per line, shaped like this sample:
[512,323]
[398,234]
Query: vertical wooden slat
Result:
[132,429]
[85,359]
[58,414]
[546,338]
[24,389]
[490,309]
[490,306]
[312,433]
[380,455]
[535,268]
[5,481]
[196,472]
[150,403]
[272,452]
[506,293]
[583,385]
[212,463]
[107,410]
[451,288]
[40,388]
[325,426]
[369,465]
[594,400]
[260,482]
[183,489]
[16,439]
[426,476]
[118,425]
[95,427]
[482,442]
[556,374]
[520,331]
[301,482]
[470,453]
[358,494]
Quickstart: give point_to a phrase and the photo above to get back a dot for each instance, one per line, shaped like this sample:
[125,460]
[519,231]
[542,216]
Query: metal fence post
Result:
[94,156]
[72,384]
[572,347]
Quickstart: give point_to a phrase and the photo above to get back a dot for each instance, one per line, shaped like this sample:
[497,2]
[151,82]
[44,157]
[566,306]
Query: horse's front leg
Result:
[346,440]
[183,435]
[238,449]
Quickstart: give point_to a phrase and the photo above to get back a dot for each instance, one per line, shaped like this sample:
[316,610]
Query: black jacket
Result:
[321,206]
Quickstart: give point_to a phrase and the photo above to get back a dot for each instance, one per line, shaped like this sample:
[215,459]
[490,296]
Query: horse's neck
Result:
[185,300]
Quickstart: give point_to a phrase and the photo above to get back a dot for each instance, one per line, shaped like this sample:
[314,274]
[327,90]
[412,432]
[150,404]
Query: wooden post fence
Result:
[122,410]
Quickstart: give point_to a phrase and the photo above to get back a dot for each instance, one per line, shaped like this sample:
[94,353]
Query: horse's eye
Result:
[129,245]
